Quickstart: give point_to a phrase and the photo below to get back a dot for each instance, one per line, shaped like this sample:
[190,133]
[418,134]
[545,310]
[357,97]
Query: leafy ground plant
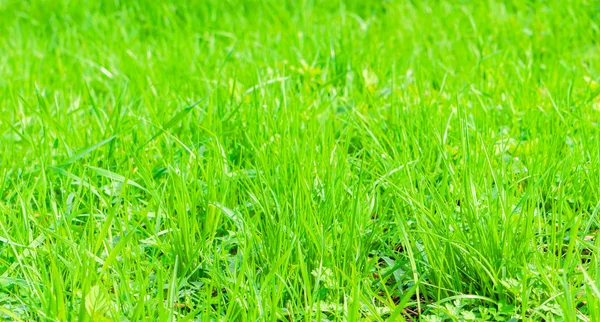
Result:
[299,160]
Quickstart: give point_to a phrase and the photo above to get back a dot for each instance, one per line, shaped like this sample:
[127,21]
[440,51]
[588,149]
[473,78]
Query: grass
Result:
[299,160]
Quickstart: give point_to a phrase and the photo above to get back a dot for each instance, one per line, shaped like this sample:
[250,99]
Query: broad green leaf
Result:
[97,304]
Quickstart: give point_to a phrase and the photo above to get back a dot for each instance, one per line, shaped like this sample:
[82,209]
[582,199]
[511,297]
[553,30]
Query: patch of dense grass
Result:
[299,160]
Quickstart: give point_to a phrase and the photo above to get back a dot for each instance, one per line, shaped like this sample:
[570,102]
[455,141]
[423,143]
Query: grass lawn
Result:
[262,160]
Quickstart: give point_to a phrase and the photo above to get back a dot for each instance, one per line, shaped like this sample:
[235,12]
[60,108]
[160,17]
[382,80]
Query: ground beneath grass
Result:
[299,160]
